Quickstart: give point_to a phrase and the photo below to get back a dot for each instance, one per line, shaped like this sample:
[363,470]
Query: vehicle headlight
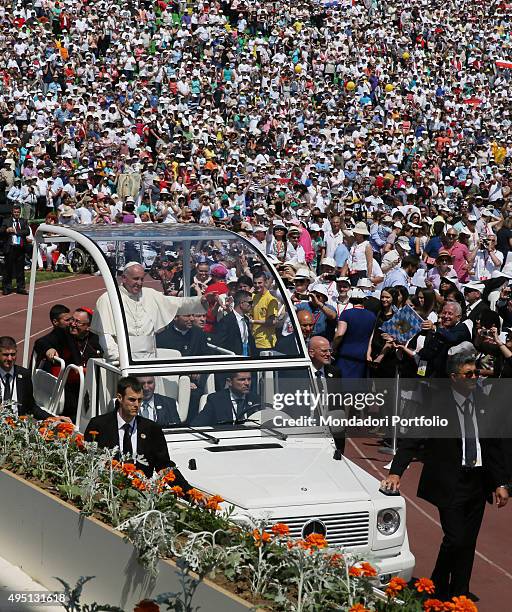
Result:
[388,521]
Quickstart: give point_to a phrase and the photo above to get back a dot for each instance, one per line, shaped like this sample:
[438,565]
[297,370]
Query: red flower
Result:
[425,585]
[358,608]
[396,585]
[354,571]
[280,530]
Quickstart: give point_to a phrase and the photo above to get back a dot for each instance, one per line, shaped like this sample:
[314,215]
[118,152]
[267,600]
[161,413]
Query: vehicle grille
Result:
[348,530]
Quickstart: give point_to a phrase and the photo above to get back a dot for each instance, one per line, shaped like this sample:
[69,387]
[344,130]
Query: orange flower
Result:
[147,605]
[50,419]
[66,428]
[196,495]
[280,530]
[396,585]
[62,435]
[169,477]
[315,540]
[434,605]
[213,502]
[290,544]
[177,491]
[139,484]
[49,435]
[115,464]
[358,608]
[93,433]
[78,439]
[23,417]
[128,468]
[10,421]
[260,536]
[460,604]
[354,571]
[425,585]
[368,570]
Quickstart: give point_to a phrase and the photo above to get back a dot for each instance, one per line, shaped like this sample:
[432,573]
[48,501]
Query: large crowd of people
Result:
[364,145]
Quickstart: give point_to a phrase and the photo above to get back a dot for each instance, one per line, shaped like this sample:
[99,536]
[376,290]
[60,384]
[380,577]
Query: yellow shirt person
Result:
[264,314]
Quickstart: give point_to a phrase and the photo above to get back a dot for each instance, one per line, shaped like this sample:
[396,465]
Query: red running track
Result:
[492,572]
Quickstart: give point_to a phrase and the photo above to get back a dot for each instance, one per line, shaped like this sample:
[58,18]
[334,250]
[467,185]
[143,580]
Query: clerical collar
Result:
[183,332]
[135,298]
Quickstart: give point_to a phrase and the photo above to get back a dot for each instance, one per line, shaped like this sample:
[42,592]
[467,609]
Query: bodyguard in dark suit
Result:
[16,382]
[228,405]
[233,332]
[133,434]
[182,335]
[14,232]
[461,471]
[158,408]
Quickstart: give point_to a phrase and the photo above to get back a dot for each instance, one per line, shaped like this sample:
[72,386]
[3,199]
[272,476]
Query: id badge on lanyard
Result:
[245,349]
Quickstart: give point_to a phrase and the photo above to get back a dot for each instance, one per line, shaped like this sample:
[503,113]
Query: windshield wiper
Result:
[275,432]
[199,432]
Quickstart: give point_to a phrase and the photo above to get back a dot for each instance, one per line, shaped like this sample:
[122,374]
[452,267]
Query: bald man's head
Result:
[132,279]
[306,323]
[319,350]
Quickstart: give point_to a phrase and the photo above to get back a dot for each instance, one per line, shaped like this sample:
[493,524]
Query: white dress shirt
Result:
[133,424]
[14,391]
[150,403]
[460,399]
[242,326]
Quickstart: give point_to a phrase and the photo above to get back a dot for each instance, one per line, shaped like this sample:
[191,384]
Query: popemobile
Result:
[271,458]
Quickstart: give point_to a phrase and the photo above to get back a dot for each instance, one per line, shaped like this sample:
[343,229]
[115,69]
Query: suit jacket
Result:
[442,457]
[287,345]
[227,335]
[477,311]
[333,384]
[219,408]
[166,410]
[150,443]
[22,233]
[191,343]
[25,394]
[52,340]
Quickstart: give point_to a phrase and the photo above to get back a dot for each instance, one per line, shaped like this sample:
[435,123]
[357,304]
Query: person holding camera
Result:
[488,259]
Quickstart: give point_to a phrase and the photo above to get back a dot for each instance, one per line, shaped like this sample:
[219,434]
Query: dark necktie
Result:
[469,436]
[240,407]
[319,374]
[7,388]
[127,440]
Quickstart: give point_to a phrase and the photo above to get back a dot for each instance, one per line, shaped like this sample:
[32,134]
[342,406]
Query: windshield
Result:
[190,294]
[285,401]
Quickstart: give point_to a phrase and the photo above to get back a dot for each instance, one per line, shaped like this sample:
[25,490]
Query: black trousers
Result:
[461,521]
[14,267]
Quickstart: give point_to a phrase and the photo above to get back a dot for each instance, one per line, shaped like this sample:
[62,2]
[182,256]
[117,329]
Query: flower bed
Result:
[264,567]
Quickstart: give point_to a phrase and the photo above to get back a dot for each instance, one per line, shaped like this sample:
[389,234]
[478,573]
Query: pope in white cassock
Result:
[147,312]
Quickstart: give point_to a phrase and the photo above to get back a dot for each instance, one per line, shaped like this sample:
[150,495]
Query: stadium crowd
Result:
[364,145]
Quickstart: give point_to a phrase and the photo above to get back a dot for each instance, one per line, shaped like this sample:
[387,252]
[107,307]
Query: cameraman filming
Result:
[487,258]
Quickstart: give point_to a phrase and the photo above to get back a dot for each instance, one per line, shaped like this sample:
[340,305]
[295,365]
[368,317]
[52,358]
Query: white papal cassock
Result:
[146,314]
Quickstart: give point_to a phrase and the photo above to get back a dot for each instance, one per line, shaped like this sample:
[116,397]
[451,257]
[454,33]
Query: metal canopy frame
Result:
[87,238]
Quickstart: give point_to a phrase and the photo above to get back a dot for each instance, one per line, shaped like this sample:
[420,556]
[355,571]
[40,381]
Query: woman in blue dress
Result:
[355,327]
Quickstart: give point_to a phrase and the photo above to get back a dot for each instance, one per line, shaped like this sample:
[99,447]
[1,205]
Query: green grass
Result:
[48,276]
